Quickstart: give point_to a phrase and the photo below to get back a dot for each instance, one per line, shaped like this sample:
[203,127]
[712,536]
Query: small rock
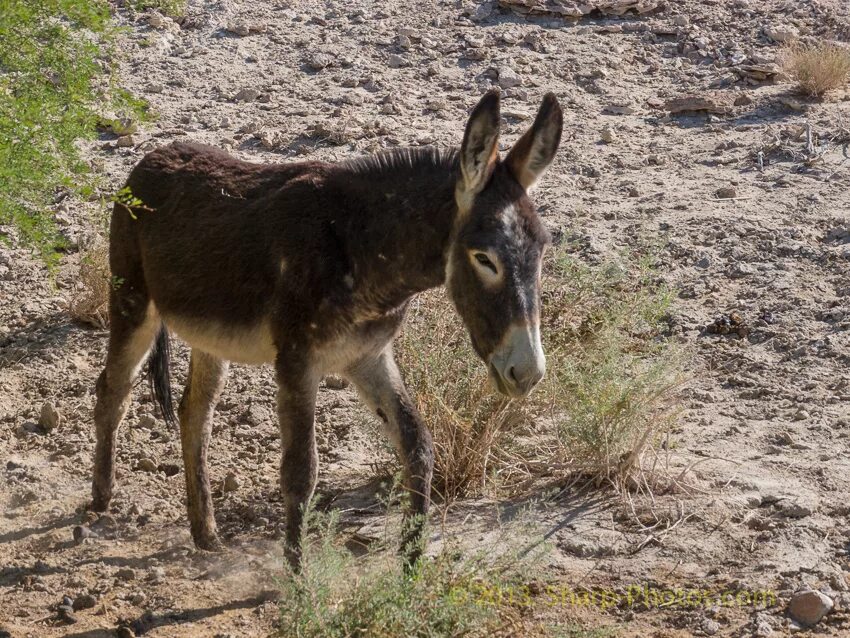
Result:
[49,419]
[782,33]
[801,415]
[156,574]
[126,573]
[508,78]
[231,483]
[710,627]
[124,632]
[146,465]
[84,601]
[155,88]
[335,382]
[156,20]
[716,103]
[680,21]
[319,61]
[138,598]
[726,192]
[239,29]
[608,135]
[81,533]
[395,61]
[809,606]
[246,95]
[126,141]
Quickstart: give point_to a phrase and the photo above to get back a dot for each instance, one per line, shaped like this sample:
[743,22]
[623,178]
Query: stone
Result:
[49,418]
[138,598]
[726,192]
[239,29]
[807,607]
[126,141]
[608,135]
[126,573]
[508,78]
[335,382]
[231,483]
[319,61]
[710,627]
[246,95]
[781,33]
[84,601]
[681,21]
[146,465]
[395,61]
[711,103]
[81,533]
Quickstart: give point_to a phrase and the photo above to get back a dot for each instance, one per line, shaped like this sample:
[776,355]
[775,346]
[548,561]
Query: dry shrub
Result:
[607,394]
[469,421]
[90,303]
[817,68]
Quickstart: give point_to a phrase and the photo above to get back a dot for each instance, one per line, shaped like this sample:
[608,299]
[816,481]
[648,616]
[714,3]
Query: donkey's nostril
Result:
[512,375]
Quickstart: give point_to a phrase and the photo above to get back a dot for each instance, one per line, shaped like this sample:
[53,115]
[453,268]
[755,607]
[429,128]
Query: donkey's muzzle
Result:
[518,364]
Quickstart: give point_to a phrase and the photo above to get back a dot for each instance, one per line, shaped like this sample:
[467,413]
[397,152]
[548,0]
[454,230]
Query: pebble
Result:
[335,382]
[710,627]
[726,192]
[138,598]
[395,61]
[49,419]
[809,606]
[124,632]
[146,465]
[125,141]
[319,61]
[508,78]
[66,614]
[246,95]
[240,29]
[126,573]
[231,482]
[156,574]
[81,533]
[84,601]
[608,135]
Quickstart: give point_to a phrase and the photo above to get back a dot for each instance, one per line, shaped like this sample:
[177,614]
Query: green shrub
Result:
[53,76]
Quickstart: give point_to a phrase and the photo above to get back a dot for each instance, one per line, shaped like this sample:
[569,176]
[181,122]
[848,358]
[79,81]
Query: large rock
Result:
[809,606]
[708,102]
[576,9]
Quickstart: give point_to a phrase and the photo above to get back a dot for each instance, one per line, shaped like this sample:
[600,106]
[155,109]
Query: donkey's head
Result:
[493,267]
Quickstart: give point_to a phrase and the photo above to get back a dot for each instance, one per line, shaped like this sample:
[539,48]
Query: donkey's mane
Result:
[422,157]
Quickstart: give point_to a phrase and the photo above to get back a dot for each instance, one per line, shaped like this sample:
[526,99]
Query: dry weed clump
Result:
[817,68]
[610,383]
[90,304]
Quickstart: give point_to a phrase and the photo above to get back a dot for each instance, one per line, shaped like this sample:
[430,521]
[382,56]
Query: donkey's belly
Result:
[241,344]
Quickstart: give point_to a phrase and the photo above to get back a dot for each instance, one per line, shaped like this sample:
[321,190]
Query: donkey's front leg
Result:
[296,405]
[381,387]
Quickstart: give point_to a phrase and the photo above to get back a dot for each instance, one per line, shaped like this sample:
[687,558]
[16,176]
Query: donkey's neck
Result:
[400,213]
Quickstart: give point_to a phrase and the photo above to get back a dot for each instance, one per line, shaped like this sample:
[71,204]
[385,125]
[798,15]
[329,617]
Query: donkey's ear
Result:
[534,151]
[480,143]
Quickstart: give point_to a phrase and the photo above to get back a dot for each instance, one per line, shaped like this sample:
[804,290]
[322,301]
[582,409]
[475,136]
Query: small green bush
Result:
[54,74]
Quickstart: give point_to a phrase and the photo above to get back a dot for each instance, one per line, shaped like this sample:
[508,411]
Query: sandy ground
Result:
[766,416]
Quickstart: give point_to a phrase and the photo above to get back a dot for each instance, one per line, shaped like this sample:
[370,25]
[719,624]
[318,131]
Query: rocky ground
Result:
[679,134]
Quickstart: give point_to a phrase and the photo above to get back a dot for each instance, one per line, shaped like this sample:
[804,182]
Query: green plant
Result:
[54,71]
[171,8]
[338,595]
[612,371]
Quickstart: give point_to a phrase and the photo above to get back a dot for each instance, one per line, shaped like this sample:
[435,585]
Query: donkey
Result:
[311,266]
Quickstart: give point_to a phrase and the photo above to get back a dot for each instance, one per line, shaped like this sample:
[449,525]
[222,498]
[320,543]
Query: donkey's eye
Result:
[485,261]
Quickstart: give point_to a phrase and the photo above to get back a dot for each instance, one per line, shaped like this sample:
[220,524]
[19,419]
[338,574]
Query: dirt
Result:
[759,256]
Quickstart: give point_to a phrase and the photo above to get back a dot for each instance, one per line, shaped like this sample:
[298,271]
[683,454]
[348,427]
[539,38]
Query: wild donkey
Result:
[311,266]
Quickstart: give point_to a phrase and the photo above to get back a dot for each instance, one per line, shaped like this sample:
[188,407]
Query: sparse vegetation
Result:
[817,68]
[611,376]
[171,8]
[337,595]
[53,72]
[90,304]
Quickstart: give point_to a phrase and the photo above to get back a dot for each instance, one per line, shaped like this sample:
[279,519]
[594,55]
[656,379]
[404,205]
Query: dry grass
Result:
[607,396]
[817,68]
[90,304]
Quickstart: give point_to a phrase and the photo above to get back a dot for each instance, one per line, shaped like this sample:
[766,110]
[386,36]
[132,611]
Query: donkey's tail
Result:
[159,376]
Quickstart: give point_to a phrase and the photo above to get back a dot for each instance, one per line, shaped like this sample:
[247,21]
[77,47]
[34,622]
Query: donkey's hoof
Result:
[209,543]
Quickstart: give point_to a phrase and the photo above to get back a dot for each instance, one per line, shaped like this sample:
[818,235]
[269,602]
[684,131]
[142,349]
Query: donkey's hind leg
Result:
[133,326]
[207,375]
